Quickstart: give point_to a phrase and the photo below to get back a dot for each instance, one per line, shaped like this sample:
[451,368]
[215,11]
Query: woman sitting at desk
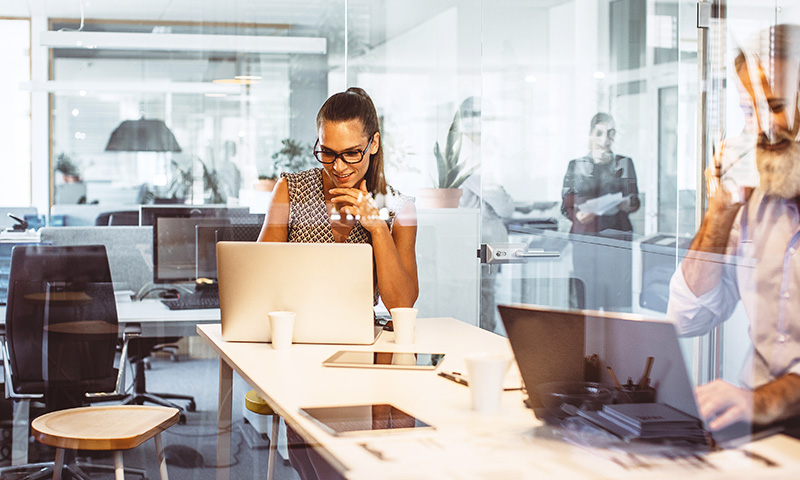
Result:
[348,199]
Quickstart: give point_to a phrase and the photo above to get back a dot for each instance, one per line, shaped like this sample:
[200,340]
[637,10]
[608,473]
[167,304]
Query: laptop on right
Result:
[551,345]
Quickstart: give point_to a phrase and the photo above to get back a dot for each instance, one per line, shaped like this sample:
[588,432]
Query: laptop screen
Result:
[551,345]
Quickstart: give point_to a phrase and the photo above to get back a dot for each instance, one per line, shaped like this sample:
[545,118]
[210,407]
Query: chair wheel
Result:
[192,407]
[182,419]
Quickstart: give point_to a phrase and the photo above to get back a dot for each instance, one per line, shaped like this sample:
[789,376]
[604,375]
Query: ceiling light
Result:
[183,42]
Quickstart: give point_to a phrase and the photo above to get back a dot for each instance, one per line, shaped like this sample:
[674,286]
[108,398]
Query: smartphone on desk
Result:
[395,360]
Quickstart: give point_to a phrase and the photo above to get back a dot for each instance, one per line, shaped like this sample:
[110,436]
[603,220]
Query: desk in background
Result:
[156,319]
[465,444]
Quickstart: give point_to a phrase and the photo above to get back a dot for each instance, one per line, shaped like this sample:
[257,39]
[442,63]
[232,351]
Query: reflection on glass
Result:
[745,247]
[598,195]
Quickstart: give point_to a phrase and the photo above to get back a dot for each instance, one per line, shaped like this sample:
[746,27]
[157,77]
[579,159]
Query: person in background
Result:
[746,249]
[347,200]
[230,178]
[601,175]
[486,194]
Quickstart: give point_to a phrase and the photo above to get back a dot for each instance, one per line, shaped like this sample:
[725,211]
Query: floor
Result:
[194,444]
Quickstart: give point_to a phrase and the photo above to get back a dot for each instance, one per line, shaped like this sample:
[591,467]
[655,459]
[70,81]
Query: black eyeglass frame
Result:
[340,155]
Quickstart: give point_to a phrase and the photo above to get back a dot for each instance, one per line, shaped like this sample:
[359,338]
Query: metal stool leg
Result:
[119,469]
[59,464]
[162,462]
[273,446]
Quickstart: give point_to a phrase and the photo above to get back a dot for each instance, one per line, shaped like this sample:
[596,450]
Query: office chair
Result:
[61,330]
[120,218]
[139,348]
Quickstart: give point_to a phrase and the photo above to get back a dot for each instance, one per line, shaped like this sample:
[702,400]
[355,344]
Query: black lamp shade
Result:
[142,136]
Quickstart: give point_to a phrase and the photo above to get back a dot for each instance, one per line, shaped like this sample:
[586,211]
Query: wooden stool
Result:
[258,405]
[117,428]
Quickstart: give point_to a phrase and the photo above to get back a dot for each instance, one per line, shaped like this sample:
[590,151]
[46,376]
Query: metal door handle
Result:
[500,253]
[535,253]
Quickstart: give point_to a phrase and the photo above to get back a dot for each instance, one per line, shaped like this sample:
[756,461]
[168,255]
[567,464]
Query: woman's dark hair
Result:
[600,118]
[355,104]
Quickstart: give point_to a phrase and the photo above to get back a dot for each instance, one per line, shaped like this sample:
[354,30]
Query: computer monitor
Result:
[206,240]
[147,213]
[175,237]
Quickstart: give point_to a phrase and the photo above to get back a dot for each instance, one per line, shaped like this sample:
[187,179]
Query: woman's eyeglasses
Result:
[329,156]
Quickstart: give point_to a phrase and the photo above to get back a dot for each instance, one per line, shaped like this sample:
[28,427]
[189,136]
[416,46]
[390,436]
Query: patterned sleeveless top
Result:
[310,221]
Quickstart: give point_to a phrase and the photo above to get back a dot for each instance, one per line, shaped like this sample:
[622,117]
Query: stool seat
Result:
[256,404]
[116,427]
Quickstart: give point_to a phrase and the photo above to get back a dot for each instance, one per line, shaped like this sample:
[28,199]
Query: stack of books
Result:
[649,421]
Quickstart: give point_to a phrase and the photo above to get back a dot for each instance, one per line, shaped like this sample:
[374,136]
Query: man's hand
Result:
[701,271]
[723,404]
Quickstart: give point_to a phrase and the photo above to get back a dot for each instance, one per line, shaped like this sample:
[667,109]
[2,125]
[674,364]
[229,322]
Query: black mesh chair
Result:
[120,218]
[61,330]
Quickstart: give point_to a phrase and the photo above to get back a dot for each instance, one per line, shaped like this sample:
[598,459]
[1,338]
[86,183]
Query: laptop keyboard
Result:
[192,301]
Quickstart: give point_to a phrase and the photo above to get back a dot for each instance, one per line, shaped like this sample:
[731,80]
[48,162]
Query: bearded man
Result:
[746,249]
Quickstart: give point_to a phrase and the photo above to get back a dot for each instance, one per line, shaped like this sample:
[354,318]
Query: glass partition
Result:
[236,98]
[591,131]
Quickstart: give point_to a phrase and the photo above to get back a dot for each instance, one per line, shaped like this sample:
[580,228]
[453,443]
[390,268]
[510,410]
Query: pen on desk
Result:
[755,456]
[455,376]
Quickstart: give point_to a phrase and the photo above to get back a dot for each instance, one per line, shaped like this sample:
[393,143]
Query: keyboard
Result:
[188,301]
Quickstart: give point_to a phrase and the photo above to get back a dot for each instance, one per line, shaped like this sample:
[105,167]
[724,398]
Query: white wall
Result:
[15,123]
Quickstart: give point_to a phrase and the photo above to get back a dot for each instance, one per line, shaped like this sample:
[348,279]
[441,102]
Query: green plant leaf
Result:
[441,165]
[463,178]
[453,138]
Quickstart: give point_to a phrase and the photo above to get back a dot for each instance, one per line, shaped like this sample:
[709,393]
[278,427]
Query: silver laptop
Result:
[328,286]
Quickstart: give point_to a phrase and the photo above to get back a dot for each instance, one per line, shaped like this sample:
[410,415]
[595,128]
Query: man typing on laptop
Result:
[746,250]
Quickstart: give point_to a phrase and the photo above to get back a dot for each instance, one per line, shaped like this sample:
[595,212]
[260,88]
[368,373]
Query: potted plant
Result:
[70,172]
[293,157]
[451,172]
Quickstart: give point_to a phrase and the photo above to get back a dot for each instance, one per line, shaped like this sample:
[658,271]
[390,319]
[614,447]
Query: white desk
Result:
[156,319]
[159,321]
[465,444]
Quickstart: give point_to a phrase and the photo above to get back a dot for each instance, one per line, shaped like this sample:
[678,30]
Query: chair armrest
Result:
[9,385]
[129,330]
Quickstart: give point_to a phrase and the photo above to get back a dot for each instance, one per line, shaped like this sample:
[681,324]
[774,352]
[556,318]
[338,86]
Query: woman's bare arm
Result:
[276,222]
[396,260]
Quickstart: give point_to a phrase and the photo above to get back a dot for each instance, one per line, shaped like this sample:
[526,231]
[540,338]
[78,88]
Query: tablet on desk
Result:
[363,419]
[396,360]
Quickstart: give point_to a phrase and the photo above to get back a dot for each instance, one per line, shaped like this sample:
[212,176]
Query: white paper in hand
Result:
[603,205]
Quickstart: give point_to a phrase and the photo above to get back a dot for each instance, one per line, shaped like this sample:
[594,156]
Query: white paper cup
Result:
[404,320]
[486,372]
[281,325]
[400,358]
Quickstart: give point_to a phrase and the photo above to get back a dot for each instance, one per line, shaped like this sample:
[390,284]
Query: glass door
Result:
[594,106]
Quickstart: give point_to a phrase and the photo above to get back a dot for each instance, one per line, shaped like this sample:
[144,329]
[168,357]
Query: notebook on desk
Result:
[551,345]
[328,286]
